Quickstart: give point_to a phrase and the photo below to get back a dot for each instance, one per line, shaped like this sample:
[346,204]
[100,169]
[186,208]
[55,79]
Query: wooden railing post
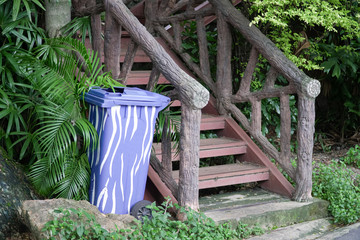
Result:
[305,138]
[223,71]
[189,158]
[112,43]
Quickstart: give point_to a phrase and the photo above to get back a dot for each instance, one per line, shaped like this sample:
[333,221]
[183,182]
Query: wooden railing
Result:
[191,93]
[162,14]
[222,89]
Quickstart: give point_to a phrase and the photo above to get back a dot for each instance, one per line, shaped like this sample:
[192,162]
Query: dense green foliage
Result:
[290,24]
[77,224]
[43,119]
[338,185]
[353,156]
[322,38]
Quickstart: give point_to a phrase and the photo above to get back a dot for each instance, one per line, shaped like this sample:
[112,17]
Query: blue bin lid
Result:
[107,97]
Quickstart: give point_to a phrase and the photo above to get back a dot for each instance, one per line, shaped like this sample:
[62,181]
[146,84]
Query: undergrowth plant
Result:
[338,185]
[77,224]
[353,156]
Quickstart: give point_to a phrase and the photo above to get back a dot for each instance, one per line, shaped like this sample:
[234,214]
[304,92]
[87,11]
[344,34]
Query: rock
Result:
[13,190]
[36,213]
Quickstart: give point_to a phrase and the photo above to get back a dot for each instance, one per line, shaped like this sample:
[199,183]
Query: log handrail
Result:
[190,90]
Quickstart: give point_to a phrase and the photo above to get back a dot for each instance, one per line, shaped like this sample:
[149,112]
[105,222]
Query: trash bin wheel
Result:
[140,210]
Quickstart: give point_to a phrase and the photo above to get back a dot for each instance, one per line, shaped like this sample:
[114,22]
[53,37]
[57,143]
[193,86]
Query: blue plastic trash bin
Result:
[125,121]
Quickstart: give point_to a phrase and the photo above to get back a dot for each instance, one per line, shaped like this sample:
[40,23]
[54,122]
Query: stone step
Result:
[259,207]
[307,230]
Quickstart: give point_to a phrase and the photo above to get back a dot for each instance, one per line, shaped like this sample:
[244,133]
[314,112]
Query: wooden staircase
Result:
[250,163]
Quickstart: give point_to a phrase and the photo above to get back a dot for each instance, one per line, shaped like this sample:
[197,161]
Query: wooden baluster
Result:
[203,48]
[166,146]
[189,158]
[128,62]
[223,71]
[177,35]
[112,43]
[271,77]
[305,138]
[163,5]
[285,128]
[97,45]
[256,116]
[249,71]
[153,79]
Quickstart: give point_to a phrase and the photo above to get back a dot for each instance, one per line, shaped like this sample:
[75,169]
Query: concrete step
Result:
[259,207]
[307,230]
[320,229]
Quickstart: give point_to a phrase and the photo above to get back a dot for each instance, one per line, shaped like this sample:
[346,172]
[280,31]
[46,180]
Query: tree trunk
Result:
[189,89]
[57,15]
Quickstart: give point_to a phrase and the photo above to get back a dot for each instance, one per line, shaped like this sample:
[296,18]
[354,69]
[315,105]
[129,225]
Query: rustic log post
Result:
[189,89]
[112,43]
[97,43]
[189,158]
[285,129]
[271,77]
[223,73]
[285,137]
[305,138]
[177,30]
[249,71]
[166,146]
[203,47]
[153,79]
[164,175]
[128,62]
[186,58]
[256,116]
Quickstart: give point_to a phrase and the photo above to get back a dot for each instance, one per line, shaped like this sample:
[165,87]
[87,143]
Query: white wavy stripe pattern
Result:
[100,131]
[135,123]
[114,131]
[117,157]
[117,111]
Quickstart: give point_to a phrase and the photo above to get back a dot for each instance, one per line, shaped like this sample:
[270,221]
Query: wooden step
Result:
[229,174]
[211,122]
[212,147]
[142,78]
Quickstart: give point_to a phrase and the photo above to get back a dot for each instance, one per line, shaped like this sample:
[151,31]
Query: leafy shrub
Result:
[334,183]
[353,156]
[77,224]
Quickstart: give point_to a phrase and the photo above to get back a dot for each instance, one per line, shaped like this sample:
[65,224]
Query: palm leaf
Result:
[45,173]
[75,183]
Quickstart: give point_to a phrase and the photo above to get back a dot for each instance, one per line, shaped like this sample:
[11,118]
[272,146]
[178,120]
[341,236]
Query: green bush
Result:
[77,224]
[353,156]
[336,184]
